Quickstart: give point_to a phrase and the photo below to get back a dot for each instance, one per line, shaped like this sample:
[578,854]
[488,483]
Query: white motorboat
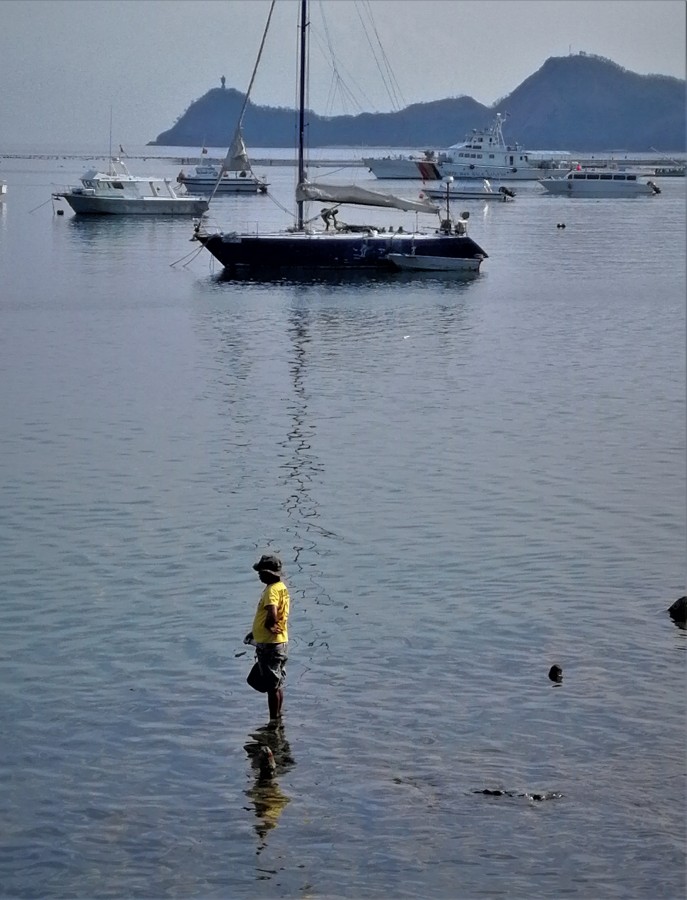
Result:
[206,179]
[234,176]
[600,184]
[3,190]
[118,192]
[483,154]
[424,263]
[452,192]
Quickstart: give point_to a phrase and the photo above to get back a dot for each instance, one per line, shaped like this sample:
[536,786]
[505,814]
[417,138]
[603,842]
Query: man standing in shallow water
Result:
[270,631]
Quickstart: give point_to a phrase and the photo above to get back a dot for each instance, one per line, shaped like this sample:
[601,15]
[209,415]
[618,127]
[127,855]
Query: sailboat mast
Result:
[301,109]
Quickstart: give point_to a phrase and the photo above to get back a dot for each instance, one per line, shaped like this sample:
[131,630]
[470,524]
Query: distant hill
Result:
[581,103]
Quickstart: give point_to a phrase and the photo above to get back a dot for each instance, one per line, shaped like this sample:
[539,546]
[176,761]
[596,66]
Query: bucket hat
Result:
[267,563]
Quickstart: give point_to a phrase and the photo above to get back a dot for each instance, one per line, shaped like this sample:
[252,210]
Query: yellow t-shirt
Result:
[273,595]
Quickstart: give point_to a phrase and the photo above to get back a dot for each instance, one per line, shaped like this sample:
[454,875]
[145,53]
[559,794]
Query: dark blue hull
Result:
[348,251]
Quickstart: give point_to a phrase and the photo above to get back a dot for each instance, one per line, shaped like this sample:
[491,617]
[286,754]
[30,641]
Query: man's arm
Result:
[271,619]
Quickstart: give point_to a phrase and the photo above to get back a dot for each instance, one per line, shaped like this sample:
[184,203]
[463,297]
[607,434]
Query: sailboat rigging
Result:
[444,247]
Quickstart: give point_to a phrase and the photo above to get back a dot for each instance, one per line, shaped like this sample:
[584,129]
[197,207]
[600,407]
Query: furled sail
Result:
[236,159]
[342,193]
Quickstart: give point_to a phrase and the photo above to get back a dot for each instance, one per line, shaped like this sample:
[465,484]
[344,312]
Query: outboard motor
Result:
[654,187]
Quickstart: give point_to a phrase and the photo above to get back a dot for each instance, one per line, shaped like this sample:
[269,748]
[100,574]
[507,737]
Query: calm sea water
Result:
[467,482]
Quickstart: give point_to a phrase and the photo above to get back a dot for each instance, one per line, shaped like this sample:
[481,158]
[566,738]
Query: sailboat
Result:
[334,244]
[234,176]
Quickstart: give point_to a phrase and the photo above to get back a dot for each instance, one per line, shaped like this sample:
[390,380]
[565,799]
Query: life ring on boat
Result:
[514,169]
[472,166]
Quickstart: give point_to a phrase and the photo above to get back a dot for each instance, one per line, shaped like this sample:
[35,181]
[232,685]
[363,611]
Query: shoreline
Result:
[584,159]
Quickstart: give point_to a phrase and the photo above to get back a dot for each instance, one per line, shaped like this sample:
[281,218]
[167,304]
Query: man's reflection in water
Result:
[270,756]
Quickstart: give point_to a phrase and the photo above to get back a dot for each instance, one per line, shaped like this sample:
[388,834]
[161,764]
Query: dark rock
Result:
[543,795]
[678,611]
[556,674]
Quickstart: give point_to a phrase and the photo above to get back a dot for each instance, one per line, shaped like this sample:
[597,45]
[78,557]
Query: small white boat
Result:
[422,263]
[503,193]
[234,176]
[207,178]
[118,192]
[3,190]
[600,184]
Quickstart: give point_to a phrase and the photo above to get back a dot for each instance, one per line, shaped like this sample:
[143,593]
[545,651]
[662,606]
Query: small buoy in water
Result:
[556,674]
[560,225]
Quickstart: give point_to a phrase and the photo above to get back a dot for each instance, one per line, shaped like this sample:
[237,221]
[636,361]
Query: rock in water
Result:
[678,611]
[556,674]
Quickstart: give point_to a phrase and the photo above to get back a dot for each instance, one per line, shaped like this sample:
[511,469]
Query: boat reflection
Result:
[344,278]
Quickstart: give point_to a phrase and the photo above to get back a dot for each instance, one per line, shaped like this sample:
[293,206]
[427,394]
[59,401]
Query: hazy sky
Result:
[65,63]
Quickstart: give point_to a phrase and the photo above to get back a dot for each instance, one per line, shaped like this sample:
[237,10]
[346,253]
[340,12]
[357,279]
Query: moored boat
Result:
[422,262]
[344,246]
[600,184]
[304,247]
[459,192]
[483,154]
[118,192]
[234,176]
[206,179]
[405,168]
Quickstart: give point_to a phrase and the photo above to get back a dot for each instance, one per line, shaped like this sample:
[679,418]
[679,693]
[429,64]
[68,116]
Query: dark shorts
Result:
[272,661]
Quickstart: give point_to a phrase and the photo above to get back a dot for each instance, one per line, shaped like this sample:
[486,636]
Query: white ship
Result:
[483,154]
